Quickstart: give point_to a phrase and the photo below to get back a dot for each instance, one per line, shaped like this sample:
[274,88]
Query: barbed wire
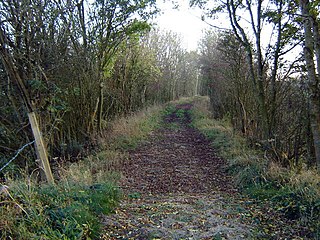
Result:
[16,155]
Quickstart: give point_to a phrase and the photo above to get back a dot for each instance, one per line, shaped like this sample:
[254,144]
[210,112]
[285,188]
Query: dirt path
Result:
[176,188]
[177,159]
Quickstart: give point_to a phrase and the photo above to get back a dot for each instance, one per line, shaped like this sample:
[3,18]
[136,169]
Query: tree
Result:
[166,46]
[58,54]
[224,70]
[311,25]
[224,67]
[135,70]
[258,13]
[189,74]
[112,23]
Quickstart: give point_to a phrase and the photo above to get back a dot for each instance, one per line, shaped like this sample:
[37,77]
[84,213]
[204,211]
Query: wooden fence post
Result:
[40,147]
[13,73]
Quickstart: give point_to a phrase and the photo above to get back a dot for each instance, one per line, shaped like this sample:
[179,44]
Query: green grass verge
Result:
[62,211]
[296,193]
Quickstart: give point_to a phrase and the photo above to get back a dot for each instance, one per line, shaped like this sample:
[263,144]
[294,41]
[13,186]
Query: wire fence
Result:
[16,155]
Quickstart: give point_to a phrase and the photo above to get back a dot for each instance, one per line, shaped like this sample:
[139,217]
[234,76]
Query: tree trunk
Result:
[260,81]
[143,96]
[256,76]
[313,81]
[100,110]
[273,107]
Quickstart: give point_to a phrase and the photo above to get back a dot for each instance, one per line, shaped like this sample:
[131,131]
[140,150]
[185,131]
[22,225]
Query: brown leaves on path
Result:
[176,187]
[175,160]
[176,216]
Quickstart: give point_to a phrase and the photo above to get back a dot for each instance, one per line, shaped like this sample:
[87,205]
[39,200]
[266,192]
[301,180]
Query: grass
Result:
[178,113]
[293,192]
[127,132]
[63,211]
[86,189]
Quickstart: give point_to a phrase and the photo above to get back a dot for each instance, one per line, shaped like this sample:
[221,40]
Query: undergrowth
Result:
[85,190]
[293,192]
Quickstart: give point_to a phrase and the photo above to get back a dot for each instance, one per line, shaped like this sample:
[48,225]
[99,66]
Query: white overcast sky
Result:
[187,22]
[184,21]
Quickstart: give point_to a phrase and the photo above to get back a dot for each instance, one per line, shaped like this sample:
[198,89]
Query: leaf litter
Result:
[175,186]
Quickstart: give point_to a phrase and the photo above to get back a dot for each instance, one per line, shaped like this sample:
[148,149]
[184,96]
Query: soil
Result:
[176,187]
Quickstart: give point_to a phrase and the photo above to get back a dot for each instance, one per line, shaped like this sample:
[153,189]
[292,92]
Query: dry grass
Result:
[97,168]
[294,188]
[307,183]
[125,133]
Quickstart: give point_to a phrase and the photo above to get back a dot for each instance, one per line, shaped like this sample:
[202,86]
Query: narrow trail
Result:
[176,188]
[177,159]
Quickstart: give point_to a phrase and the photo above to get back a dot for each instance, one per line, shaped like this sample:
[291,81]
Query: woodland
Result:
[83,83]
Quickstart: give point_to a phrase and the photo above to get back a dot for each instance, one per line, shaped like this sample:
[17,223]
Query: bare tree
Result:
[311,49]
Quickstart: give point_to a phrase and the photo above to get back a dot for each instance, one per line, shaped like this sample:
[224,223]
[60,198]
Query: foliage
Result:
[225,79]
[177,66]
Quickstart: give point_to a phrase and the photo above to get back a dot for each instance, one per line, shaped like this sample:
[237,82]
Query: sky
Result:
[184,21]
[187,22]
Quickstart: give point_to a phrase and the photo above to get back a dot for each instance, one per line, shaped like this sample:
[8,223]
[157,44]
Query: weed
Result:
[173,125]
[217,236]
[180,113]
[169,109]
[134,195]
[155,235]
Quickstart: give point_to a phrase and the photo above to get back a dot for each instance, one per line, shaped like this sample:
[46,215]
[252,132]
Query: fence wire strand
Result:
[16,155]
